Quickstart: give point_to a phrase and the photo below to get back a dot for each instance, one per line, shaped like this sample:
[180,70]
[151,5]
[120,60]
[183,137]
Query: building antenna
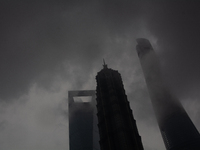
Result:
[104,64]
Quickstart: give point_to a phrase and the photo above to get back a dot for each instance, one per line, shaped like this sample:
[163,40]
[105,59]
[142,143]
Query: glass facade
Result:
[177,129]
[83,133]
[179,132]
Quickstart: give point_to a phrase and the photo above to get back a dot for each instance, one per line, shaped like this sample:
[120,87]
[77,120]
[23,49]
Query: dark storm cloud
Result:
[119,15]
[37,36]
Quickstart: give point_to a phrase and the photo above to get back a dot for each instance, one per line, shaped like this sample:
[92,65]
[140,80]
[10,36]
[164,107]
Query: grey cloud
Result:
[40,37]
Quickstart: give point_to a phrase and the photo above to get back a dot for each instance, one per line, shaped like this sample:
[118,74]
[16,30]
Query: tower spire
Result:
[104,64]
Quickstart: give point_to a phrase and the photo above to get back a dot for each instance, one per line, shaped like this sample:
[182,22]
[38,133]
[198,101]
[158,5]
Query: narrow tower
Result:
[177,129]
[117,127]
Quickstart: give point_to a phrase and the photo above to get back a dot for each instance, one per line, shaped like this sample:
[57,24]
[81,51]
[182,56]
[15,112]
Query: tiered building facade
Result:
[117,127]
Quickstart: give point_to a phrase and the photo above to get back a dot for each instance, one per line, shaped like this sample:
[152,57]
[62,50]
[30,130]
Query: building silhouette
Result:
[83,130]
[117,127]
[177,129]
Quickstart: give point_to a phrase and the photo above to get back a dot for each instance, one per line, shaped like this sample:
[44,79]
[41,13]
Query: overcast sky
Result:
[52,46]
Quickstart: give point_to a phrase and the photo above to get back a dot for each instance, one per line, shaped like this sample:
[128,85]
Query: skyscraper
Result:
[83,131]
[117,127]
[177,129]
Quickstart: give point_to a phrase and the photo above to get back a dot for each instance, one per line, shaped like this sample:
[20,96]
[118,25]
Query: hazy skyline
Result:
[51,47]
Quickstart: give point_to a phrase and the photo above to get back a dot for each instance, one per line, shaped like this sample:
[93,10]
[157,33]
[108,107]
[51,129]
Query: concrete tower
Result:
[83,131]
[177,129]
[117,127]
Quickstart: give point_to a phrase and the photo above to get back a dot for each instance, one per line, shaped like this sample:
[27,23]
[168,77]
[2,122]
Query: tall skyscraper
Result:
[177,129]
[117,127]
[83,130]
